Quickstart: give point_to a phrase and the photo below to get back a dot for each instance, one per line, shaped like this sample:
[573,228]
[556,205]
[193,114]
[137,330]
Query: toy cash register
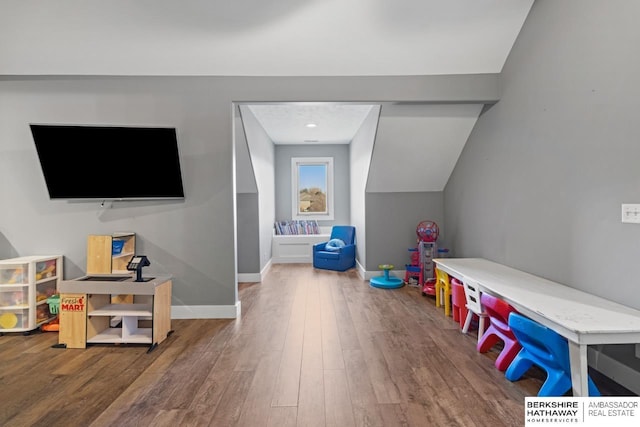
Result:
[136,264]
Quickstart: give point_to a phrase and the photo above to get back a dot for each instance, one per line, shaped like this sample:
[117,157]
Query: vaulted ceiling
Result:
[258,37]
[285,38]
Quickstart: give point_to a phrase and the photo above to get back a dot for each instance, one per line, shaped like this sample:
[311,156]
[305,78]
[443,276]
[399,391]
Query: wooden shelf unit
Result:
[87,310]
[100,256]
[102,260]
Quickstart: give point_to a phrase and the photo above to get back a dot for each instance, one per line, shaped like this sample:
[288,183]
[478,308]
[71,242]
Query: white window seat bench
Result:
[296,248]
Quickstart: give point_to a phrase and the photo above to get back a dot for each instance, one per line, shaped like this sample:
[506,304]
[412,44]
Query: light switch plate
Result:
[631,213]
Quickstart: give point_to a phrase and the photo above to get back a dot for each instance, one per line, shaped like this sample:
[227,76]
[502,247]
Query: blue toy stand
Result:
[385,281]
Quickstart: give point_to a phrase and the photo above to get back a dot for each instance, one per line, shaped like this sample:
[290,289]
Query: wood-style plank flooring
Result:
[312,348]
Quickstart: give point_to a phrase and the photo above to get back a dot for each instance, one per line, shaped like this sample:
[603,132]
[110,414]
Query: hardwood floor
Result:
[312,348]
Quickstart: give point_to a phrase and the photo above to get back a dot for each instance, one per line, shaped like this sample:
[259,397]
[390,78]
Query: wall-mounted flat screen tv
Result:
[82,162]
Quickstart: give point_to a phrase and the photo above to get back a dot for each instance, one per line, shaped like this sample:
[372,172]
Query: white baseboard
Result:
[303,259]
[265,270]
[620,373]
[206,311]
[360,270]
[249,277]
[254,277]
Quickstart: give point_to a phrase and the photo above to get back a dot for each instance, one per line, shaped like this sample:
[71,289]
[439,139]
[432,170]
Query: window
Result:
[312,188]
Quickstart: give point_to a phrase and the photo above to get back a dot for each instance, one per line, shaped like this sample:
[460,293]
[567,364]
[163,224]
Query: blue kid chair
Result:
[547,349]
[339,253]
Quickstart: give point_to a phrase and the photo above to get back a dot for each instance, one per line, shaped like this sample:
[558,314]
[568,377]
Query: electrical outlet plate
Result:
[631,213]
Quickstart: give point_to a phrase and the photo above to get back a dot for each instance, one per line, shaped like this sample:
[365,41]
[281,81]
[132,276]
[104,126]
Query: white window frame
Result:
[296,163]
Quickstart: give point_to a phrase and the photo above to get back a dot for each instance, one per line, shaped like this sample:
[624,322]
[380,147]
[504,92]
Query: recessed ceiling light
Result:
[311,125]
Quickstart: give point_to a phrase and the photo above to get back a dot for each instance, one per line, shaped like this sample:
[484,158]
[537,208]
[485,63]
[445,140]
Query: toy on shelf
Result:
[54,306]
[413,271]
[8,320]
[385,281]
[46,269]
[13,299]
[15,276]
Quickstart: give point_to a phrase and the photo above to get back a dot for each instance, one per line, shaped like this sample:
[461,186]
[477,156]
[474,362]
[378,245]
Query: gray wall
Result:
[392,219]
[262,159]
[245,176]
[184,238]
[247,208]
[6,249]
[248,233]
[341,185]
[193,240]
[540,182]
[360,151]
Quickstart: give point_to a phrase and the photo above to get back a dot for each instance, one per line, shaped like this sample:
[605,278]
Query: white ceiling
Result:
[258,37]
[287,123]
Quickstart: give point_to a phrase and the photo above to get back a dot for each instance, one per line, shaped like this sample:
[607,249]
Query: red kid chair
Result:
[498,312]
[458,302]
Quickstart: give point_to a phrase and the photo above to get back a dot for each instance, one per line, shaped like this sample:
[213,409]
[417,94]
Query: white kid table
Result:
[584,319]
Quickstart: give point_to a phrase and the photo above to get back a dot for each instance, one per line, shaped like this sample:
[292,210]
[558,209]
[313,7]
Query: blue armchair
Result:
[339,253]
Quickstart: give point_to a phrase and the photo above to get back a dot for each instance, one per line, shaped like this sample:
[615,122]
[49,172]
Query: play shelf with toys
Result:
[25,285]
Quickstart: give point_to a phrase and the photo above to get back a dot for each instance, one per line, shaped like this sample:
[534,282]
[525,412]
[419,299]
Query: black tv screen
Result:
[109,162]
